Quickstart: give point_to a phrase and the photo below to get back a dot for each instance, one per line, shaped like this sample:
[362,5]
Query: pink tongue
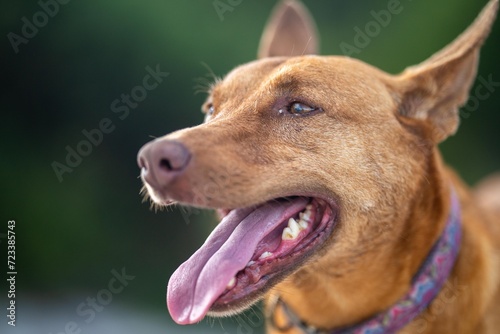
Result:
[199,281]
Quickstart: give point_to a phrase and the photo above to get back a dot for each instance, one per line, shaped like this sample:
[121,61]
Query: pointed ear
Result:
[289,32]
[435,90]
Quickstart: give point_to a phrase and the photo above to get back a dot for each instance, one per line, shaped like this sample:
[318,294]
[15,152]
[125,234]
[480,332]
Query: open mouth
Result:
[250,251]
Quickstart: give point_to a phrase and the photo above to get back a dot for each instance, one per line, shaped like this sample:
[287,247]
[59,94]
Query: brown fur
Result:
[373,150]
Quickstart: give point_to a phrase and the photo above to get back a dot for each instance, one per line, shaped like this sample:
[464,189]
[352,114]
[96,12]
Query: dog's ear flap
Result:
[435,90]
[289,32]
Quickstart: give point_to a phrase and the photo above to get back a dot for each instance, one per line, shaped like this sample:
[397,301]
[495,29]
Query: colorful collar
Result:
[426,285]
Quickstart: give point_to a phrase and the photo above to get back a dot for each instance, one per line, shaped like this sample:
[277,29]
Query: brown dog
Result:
[337,207]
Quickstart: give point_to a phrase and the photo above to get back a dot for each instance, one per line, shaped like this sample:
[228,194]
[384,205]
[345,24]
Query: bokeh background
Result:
[72,234]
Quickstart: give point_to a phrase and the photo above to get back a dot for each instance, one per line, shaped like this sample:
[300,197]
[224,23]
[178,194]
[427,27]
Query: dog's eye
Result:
[211,109]
[298,108]
[208,111]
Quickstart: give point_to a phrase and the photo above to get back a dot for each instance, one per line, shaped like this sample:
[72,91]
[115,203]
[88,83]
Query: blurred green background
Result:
[71,234]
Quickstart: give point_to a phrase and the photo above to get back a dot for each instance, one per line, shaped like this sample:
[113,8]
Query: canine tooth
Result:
[265,255]
[250,263]
[231,283]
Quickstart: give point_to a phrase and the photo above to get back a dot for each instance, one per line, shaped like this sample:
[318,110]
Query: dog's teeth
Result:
[305,215]
[250,263]
[265,255]
[303,224]
[294,226]
[291,232]
[231,283]
[287,234]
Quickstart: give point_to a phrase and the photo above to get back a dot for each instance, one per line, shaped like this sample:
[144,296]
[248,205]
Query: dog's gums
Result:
[251,250]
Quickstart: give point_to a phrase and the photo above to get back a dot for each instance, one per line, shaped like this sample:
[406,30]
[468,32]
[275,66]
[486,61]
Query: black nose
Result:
[162,160]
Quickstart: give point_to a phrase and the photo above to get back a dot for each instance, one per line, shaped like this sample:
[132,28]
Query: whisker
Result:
[307,44]
[206,83]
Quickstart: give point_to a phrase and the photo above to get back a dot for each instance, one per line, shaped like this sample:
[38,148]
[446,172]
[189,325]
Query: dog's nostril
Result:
[166,165]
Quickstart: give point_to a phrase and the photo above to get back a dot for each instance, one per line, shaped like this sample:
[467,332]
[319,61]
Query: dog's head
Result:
[307,159]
